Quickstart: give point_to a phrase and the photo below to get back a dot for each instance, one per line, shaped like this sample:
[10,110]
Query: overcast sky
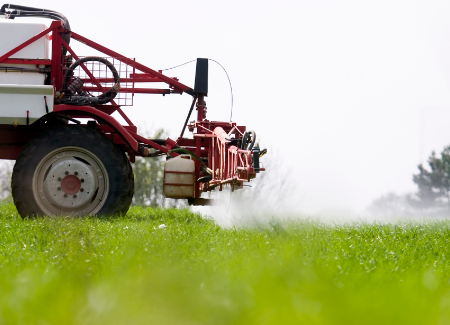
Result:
[350,95]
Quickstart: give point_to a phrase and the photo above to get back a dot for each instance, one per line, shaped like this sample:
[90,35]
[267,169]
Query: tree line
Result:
[433,191]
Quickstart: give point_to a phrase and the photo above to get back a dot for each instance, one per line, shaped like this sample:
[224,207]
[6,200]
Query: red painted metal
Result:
[91,76]
[10,152]
[146,77]
[131,79]
[136,90]
[173,83]
[70,184]
[212,141]
[88,111]
[230,165]
[95,81]
[31,40]
[125,117]
[56,75]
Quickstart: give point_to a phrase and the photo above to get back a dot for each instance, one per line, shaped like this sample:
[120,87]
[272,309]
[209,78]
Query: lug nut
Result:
[81,189]
[74,196]
[65,195]
[82,180]
[67,173]
[59,188]
[59,179]
[76,173]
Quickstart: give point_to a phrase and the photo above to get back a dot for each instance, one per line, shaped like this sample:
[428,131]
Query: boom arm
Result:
[223,152]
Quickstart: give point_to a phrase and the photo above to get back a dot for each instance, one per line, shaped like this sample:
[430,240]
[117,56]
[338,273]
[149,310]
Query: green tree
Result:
[434,183]
[148,178]
[5,181]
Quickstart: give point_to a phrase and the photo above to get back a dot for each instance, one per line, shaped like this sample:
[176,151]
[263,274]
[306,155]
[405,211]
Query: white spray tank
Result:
[23,95]
[179,177]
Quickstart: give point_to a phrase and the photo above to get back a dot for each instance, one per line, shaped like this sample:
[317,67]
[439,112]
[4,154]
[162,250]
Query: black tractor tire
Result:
[72,171]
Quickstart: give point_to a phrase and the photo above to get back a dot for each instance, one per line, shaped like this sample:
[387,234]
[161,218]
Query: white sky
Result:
[352,95]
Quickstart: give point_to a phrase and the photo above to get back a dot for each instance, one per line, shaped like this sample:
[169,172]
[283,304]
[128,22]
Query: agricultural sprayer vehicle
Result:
[73,157]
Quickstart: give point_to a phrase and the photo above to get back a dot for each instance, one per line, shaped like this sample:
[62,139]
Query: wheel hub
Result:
[71,184]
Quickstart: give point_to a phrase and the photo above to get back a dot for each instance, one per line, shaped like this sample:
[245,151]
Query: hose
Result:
[22,70]
[250,135]
[23,11]
[83,99]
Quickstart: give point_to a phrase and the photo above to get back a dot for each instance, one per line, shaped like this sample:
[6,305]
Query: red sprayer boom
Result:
[64,166]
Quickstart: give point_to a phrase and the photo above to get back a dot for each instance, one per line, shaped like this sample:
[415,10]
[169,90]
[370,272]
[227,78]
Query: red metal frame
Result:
[211,141]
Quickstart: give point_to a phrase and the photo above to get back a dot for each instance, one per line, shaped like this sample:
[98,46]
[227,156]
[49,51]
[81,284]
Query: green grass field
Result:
[130,271]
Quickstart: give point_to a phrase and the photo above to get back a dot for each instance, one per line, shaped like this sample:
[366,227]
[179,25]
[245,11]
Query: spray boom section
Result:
[94,87]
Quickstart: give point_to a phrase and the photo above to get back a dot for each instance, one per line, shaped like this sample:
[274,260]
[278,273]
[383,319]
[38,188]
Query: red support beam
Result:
[93,112]
[135,90]
[53,26]
[94,81]
[131,79]
[56,75]
[133,63]
[91,76]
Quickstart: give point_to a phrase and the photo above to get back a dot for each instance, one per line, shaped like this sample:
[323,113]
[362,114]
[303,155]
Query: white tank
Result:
[179,177]
[12,34]
[23,94]
[17,102]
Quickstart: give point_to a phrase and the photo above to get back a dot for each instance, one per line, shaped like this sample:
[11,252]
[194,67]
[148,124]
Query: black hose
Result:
[246,143]
[104,98]
[23,11]
[161,142]
[37,12]
[204,179]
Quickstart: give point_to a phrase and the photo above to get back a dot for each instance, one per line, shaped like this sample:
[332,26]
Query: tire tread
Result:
[22,194]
